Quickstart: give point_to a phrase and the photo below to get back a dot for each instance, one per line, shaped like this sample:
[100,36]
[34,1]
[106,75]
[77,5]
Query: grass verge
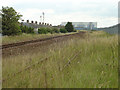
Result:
[27,37]
[96,66]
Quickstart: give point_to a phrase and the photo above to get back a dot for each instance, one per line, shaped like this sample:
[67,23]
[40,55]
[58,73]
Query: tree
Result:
[10,24]
[69,27]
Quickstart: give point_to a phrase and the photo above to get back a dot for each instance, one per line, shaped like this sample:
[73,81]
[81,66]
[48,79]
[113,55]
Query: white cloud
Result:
[56,19]
[34,13]
[13,2]
[81,17]
[82,8]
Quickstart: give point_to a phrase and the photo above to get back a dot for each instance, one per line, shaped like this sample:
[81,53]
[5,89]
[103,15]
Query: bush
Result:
[74,30]
[42,31]
[63,30]
[52,31]
[30,30]
[26,29]
[49,30]
[55,30]
[93,30]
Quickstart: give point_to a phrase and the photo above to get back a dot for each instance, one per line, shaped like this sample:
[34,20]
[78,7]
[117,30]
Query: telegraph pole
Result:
[43,16]
[41,19]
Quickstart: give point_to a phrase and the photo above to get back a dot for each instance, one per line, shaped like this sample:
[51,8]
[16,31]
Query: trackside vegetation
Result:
[88,62]
[26,29]
[27,37]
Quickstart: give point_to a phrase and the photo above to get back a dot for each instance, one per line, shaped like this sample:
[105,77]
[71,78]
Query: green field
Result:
[90,62]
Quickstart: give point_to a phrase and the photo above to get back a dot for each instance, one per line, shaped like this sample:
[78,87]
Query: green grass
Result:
[95,67]
[26,37]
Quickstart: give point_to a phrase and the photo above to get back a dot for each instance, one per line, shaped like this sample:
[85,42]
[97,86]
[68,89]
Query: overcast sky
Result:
[104,12]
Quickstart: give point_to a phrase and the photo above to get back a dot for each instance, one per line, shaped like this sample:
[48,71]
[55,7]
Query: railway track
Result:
[34,41]
[41,61]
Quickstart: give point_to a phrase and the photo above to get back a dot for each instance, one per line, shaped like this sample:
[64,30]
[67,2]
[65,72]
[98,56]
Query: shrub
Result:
[30,30]
[93,30]
[26,29]
[63,30]
[55,30]
[42,31]
[49,30]
[74,30]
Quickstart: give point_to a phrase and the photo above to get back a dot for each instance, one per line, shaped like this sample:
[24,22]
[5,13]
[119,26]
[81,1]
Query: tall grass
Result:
[26,37]
[96,66]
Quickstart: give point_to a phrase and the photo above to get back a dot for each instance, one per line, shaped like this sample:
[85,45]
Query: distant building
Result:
[36,25]
[82,25]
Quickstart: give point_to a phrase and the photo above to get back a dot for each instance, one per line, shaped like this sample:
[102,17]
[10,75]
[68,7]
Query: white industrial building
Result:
[82,25]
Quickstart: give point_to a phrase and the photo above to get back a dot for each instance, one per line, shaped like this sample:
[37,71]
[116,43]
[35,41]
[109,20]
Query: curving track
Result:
[33,41]
[35,45]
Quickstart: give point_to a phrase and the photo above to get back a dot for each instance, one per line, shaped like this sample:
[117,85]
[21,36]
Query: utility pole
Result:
[43,16]
[41,19]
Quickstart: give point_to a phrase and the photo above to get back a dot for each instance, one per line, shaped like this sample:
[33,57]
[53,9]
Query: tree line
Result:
[11,26]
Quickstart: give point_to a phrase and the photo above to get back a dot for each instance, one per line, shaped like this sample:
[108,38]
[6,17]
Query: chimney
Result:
[27,21]
[39,23]
[43,23]
[32,22]
[35,22]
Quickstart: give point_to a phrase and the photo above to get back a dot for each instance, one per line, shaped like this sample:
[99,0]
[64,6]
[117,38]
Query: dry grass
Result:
[26,37]
[95,67]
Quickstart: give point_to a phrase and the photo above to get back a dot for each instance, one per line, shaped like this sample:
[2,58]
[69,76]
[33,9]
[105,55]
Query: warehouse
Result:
[82,25]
